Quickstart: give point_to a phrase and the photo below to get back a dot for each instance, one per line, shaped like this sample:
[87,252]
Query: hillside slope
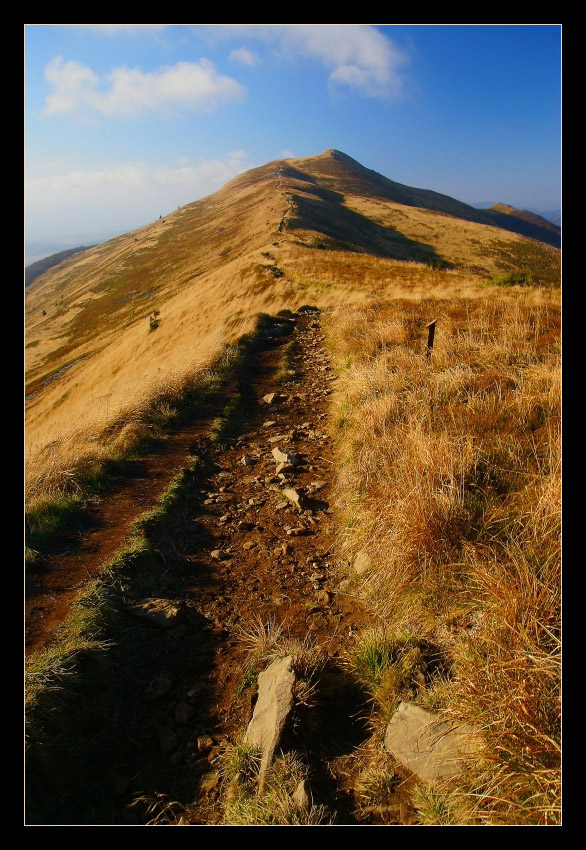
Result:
[526,222]
[203,502]
[211,266]
[34,270]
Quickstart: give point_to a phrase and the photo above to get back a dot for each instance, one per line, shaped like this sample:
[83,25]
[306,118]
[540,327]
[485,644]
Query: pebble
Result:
[167,739]
[157,688]
[183,713]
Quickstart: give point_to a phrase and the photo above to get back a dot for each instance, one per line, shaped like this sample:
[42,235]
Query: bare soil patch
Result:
[237,557]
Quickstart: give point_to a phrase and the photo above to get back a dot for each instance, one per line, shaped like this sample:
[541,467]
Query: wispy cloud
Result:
[358,56]
[129,194]
[244,56]
[123,29]
[129,92]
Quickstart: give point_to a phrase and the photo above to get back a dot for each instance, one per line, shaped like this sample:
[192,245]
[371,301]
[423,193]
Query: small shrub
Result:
[154,320]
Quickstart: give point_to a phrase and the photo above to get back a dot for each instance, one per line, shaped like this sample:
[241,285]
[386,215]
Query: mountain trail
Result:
[250,555]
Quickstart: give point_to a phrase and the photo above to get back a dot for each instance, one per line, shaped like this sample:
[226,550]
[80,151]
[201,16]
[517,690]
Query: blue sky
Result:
[125,122]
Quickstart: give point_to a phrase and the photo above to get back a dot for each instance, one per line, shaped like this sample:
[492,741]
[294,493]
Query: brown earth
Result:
[279,565]
[56,580]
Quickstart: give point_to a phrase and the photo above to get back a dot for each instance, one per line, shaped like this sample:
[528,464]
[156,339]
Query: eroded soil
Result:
[56,580]
[238,557]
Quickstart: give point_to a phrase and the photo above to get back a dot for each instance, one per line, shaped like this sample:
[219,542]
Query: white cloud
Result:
[244,56]
[123,29]
[121,197]
[195,86]
[358,56]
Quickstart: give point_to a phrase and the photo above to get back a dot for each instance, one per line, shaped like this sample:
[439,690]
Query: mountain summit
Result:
[308,230]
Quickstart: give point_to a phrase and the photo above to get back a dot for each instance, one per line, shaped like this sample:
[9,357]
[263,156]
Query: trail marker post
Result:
[430,335]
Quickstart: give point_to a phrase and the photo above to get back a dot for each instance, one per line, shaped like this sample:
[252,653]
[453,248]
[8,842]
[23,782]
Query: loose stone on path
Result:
[158,612]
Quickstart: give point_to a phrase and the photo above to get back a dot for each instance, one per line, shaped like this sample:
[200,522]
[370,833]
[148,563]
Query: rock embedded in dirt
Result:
[297,531]
[158,612]
[283,456]
[183,713]
[157,688]
[208,782]
[204,743]
[247,460]
[293,496]
[428,746]
[274,398]
[167,739]
[219,555]
[282,468]
[272,709]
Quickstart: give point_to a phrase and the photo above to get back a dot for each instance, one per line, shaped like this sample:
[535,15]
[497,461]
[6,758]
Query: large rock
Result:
[273,706]
[430,747]
[158,612]
[302,796]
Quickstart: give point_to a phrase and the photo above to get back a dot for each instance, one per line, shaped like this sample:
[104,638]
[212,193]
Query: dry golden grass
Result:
[449,477]
[449,467]
[209,268]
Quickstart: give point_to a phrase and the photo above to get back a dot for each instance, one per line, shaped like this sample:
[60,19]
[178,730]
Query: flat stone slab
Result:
[283,456]
[158,612]
[293,496]
[273,706]
[274,398]
[431,748]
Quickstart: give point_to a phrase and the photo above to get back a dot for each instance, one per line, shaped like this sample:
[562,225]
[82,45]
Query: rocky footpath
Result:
[237,648]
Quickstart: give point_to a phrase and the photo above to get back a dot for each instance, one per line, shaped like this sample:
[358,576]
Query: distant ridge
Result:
[35,269]
[530,218]
[335,163]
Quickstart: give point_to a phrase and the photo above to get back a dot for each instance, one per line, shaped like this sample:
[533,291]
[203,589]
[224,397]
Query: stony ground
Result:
[252,548]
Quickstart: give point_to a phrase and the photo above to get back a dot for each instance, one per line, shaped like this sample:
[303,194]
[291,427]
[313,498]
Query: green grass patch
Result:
[51,517]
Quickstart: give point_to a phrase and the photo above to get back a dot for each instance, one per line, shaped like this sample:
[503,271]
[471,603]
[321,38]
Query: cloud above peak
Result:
[129,92]
[358,56]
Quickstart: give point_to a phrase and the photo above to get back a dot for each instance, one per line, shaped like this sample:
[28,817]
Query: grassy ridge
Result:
[310,230]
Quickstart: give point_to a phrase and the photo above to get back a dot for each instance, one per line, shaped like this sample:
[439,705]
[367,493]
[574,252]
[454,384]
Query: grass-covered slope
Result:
[449,508]
[135,318]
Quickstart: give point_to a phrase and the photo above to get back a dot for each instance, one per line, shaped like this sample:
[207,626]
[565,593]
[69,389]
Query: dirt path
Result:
[239,558]
[56,581]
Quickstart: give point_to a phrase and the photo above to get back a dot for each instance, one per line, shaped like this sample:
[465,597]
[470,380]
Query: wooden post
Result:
[430,335]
